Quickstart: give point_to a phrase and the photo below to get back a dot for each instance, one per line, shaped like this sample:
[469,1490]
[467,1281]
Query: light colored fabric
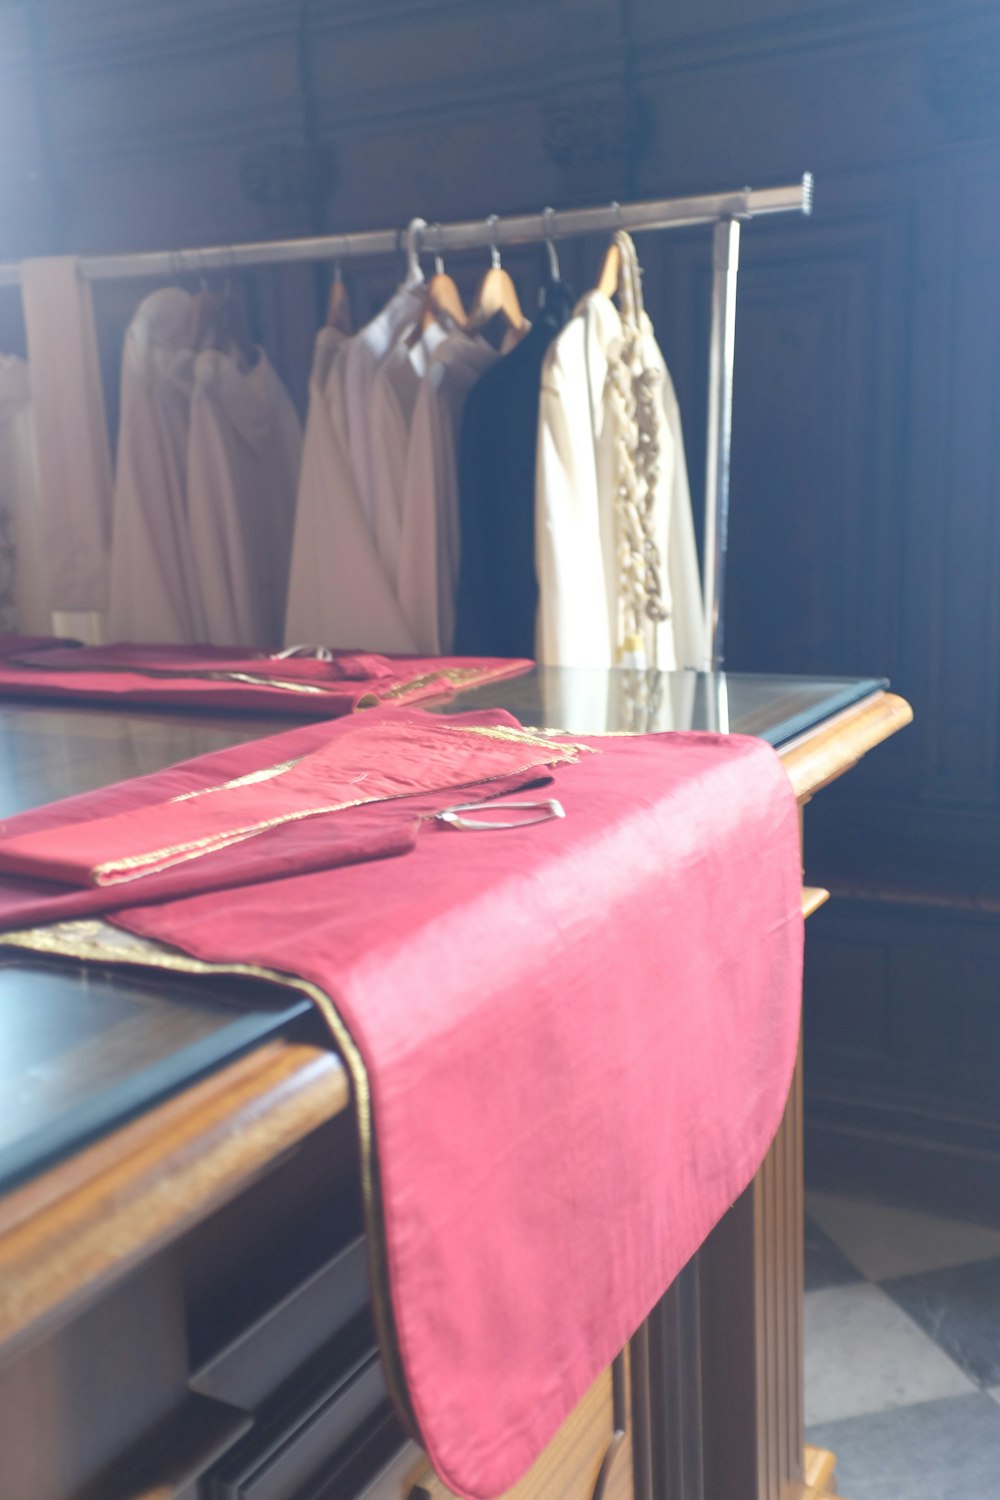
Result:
[74,456]
[338,592]
[244,453]
[366,352]
[576,536]
[429,557]
[23,583]
[394,398]
[154,593]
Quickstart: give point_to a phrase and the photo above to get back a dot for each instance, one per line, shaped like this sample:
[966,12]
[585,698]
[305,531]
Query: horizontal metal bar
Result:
[664,213]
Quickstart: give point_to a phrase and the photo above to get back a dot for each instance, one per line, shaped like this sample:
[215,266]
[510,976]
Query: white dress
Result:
[576,530]
[338,592]
[154,593]
[24,605]
[394,399]
[244,454]
[429,557]
[74,456]
[367,349]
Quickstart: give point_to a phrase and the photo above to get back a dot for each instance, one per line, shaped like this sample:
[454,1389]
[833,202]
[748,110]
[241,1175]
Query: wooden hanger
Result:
[443,301]
[497,295]
[610,272]
[236,331]
[338,309]
[205,320]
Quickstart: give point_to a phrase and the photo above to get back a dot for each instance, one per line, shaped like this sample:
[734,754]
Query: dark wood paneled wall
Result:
[866,500]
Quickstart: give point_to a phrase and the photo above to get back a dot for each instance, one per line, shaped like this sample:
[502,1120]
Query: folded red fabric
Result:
[389,755]
[571,1046]
[306,686]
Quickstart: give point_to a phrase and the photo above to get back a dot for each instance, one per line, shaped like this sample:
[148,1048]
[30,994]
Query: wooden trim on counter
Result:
[813,897]
[66,1235]
[817,758]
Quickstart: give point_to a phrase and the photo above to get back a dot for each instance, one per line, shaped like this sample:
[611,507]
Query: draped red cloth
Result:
[575,1041]
[236,678]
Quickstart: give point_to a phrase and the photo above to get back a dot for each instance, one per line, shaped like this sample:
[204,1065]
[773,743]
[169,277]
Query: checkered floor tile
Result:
[903,1350]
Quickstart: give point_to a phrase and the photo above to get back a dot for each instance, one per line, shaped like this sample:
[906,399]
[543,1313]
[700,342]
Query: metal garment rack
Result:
[725,211]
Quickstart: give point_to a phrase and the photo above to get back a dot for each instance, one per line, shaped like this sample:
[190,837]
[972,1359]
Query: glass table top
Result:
[777,709]
[82,1048]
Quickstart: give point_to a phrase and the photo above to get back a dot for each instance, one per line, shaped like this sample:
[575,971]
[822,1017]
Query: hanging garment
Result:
[154,592]
[214,677]
[338,592]
[428,567]
[394,398]
[367,350]
[570,1046]
[74,456]
[24,591]
[613,510]
[244,455]
[497,597]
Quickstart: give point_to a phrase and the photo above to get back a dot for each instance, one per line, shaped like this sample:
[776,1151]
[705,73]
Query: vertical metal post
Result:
[725,268]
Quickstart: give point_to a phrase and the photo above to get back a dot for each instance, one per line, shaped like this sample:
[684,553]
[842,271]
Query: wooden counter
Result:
[182,1300]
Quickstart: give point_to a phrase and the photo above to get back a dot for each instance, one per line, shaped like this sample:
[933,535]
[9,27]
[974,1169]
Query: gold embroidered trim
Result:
[524,737]
[153,860]
[98,942]
[173,674]
[373,696]
[250,779]
[445,676]
[253,680]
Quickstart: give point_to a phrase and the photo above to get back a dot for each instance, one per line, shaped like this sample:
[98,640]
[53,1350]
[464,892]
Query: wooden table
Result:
[182,1297]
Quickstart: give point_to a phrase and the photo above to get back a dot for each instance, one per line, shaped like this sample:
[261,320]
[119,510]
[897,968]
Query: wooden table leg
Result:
[666,1394]
[751,1270]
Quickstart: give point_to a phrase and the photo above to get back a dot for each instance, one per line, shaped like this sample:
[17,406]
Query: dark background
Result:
[865,535]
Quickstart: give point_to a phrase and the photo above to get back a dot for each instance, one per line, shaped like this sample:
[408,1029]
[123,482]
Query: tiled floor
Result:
[903,1350]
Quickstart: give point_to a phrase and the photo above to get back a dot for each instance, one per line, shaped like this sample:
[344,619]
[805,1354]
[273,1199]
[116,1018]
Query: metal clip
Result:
[453,816]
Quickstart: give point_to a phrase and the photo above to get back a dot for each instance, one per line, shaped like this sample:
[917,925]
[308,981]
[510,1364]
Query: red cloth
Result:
[232,678]
[578,1038]
[43,858]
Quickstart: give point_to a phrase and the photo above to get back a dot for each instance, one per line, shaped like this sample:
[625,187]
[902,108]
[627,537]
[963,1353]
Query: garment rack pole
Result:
[721,361]
[723,210]
[518,229]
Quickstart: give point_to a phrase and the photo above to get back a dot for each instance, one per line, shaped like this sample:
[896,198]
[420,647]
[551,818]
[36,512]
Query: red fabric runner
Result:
[577,1041]
[217,677]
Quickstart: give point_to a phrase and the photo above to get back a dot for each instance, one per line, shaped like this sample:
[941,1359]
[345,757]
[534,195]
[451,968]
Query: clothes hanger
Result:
[548,215]
[206,317]
[414,275]
[609,277]
[497,295]
[338,308]
[234,328]
[443,299]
